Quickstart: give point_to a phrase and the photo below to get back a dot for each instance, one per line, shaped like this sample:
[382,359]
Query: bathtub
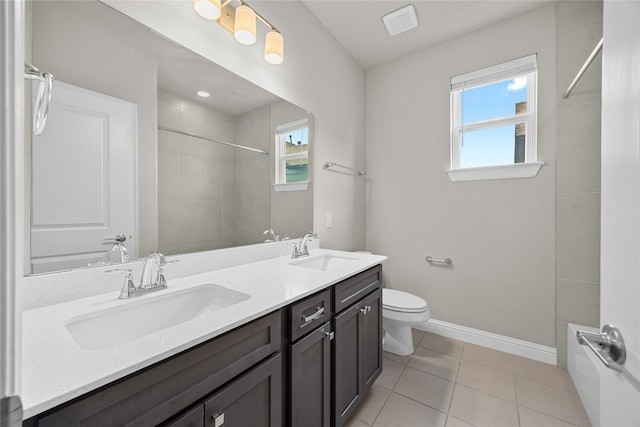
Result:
[585,370]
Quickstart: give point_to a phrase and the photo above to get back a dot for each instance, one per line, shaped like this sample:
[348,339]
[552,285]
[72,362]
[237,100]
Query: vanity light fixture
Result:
[241,22]
[203,93]
[208,9]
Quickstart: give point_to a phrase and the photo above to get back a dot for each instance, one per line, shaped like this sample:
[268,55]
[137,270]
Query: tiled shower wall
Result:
[579,28]
[253,179]
[196,178]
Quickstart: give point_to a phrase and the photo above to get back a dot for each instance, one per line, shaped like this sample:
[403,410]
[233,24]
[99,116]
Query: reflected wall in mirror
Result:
[131,149]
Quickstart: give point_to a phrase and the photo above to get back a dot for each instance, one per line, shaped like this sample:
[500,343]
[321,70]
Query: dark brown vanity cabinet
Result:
[357,351]
[332,368]
[306,365]
[229,374]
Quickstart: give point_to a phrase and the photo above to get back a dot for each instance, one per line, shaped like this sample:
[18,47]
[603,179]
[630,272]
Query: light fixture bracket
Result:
[228,17]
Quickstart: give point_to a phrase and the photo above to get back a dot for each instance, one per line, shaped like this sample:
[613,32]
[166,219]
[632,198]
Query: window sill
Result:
[294,186]
[520,170]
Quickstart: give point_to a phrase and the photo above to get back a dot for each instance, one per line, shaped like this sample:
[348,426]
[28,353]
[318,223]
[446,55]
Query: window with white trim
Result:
[292,153]
[493,118]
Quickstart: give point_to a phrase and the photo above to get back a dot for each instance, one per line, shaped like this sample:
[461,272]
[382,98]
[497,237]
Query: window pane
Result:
[495,100]
[297,141]
[502,145]
[297,170]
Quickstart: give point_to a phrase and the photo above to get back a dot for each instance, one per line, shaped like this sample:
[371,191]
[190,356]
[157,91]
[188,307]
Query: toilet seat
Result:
[403,302]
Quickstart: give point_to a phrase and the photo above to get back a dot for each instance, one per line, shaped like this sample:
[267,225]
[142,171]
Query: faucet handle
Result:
[129,287]
[162,281]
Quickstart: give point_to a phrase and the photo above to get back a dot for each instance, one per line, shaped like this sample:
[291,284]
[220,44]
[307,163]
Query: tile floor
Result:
[455,384]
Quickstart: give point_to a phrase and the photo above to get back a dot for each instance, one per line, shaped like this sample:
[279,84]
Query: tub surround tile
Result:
[578,302]
[578,258]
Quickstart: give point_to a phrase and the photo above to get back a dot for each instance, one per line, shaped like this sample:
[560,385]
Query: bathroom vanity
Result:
[303,350]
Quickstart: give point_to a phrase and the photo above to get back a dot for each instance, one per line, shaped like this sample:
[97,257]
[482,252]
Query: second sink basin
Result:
[323,262]
[111,327]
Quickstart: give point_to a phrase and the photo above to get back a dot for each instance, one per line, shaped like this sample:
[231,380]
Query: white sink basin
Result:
[323,262]
[107,328]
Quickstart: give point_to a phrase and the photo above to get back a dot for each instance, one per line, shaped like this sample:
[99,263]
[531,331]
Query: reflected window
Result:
[292,152]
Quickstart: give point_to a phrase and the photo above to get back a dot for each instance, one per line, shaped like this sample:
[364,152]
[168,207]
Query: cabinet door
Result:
[192,417]
[347,363]
[372,338]
[311,379]
[251,400]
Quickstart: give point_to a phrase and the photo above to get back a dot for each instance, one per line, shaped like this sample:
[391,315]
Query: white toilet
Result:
[400,311]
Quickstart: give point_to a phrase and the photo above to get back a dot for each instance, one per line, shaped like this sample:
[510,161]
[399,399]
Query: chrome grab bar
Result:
[584,67]
[308,319]
[432,260]
[329,165]
[608,346]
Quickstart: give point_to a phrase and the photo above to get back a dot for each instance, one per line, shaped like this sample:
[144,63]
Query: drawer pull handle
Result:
[308,319]
[218,419]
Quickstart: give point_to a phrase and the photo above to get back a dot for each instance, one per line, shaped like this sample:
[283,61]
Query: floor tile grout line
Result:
[421,403]
[547,415]
[381,408]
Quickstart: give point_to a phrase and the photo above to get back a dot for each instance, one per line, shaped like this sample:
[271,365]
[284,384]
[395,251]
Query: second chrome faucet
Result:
[152,277]
[300,249]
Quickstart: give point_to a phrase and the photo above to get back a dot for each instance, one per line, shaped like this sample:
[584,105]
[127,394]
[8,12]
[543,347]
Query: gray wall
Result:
[500,234]
[96,61]
[579,28]
[317,74]
[196,178]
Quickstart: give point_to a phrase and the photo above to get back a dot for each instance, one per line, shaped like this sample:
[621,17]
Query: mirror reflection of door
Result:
[83,180]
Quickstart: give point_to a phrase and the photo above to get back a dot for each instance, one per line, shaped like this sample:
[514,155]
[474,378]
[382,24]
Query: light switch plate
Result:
[329,220]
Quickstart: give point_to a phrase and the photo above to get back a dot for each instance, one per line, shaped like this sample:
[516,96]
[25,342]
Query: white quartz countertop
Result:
[55,369]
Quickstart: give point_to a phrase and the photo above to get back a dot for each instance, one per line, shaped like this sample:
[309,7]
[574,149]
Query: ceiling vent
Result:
[401,20]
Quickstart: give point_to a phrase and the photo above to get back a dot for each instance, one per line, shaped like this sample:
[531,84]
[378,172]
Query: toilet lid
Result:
[402,301]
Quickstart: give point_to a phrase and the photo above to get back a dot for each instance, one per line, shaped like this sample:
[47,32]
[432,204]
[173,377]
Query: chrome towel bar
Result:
[432,260]
[329,165]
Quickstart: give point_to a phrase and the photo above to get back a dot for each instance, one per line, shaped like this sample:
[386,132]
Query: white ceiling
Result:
[358,26]
[182,72]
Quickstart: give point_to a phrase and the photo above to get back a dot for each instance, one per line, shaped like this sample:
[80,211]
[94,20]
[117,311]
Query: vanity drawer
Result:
[310,313]
[354,288]
[158,392]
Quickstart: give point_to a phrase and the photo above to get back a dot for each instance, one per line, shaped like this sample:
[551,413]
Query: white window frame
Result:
[282,157]
[521,67]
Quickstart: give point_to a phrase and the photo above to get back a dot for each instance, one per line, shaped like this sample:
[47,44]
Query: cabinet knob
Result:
[365,309]
[330,335]
[218,419]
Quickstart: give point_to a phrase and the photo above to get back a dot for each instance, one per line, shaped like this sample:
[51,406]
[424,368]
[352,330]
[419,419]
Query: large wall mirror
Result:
[147,140]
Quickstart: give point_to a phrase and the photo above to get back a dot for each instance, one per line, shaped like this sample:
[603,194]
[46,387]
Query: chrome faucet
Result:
[300,249]
[272,235]
[152,277]
[118,246]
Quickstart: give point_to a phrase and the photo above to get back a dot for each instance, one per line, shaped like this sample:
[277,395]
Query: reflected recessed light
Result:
[203,93]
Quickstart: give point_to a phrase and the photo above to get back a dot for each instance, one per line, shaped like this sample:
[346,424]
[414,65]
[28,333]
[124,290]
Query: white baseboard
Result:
[538,352]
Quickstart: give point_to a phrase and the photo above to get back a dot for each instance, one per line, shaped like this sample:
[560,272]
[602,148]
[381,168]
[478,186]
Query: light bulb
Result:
[208,9]
[274,48]
[244,29]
